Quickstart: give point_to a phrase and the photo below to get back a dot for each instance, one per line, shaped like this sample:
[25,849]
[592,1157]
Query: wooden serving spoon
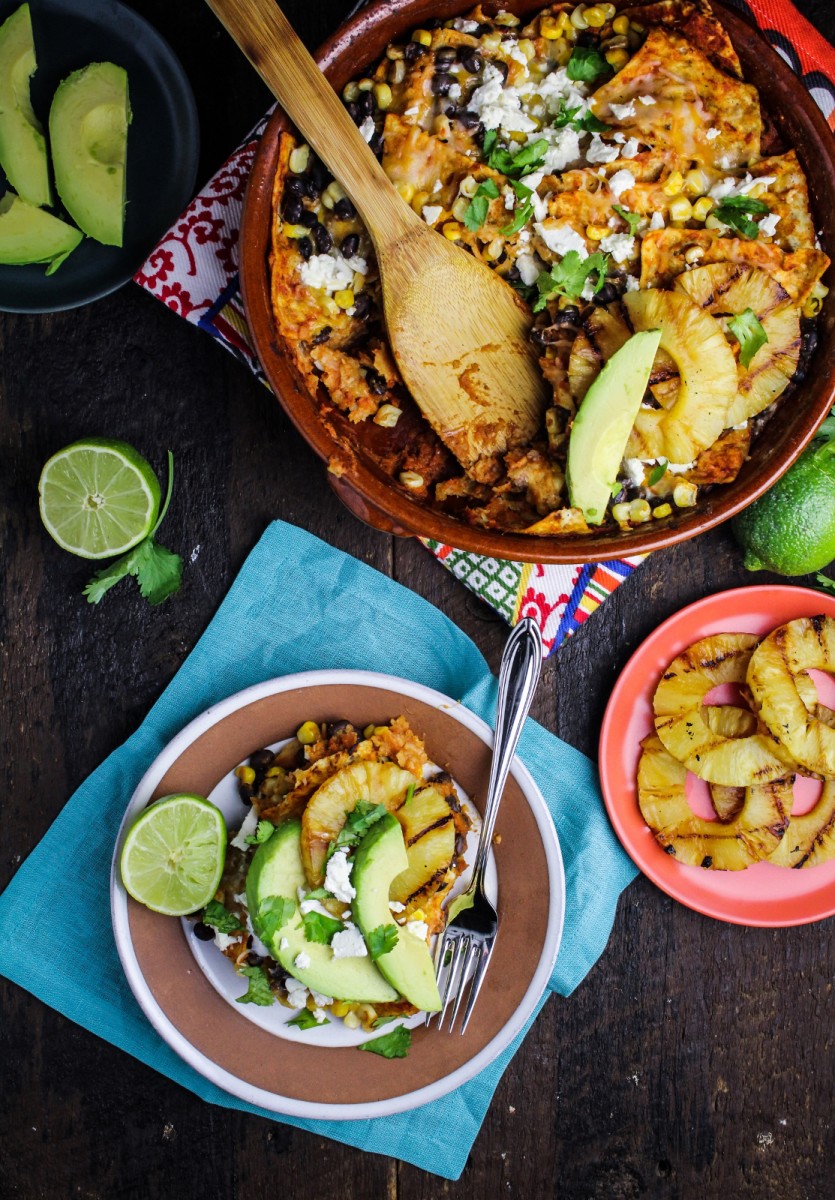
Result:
[458,331]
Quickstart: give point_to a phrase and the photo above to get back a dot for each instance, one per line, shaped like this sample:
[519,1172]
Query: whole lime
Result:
[791,529]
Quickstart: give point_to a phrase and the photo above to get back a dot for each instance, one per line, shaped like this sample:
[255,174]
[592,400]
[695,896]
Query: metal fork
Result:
[470,936]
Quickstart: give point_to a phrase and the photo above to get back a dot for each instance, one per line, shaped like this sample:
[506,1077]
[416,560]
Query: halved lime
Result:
[173,856]
[98,498]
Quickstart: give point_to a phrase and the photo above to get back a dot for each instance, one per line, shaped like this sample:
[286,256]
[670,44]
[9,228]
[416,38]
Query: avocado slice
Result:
[88,130]
[30,235]
[602,426]
[22,145]
[380,858]
[276,870]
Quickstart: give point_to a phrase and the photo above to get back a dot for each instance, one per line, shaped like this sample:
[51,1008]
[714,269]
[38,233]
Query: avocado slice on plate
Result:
[30,235]
[88,131]
[380,858]
[277,872]
[22,145]
[603,423]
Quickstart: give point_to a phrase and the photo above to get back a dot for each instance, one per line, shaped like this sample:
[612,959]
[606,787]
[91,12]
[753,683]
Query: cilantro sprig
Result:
[391,1045]
[363,815]
[476,213]
[319,928]
[263,832]
[736,212]
[514,166]
[158,571]
[658,472]
[568,277]
[633,220]
[306,1020]
[382,940]
[258,991]
[587,122]
[220,918]
[273,914]
[750,334]
[586,64]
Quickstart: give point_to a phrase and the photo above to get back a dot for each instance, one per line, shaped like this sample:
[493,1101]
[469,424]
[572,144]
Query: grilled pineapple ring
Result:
[707,388]
[802,645]
[683,726]
[809,839]
[752,834]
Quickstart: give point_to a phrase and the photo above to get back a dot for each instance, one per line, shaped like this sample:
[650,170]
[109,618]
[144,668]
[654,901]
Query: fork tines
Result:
[460,960]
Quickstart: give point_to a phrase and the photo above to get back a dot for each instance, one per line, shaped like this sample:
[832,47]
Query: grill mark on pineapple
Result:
[439,824]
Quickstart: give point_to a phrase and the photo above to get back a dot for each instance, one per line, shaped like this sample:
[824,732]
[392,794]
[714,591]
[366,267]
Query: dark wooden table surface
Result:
[696,1059]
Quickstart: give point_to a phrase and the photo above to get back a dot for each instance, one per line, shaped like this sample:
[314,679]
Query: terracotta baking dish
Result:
[364,488]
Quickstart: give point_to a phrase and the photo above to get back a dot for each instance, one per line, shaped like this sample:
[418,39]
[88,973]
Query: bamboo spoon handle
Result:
[266,37]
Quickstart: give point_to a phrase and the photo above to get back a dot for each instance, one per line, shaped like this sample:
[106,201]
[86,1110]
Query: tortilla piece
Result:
[696,20]
[662,259]
[414,156]
[559,523]
[788,196]
[692,98]
[587,200]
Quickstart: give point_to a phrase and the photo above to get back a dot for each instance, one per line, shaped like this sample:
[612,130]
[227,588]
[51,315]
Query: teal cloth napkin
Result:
[296,605]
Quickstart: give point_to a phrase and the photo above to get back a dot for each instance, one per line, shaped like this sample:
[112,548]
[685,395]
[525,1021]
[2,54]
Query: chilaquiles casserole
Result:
[611,164]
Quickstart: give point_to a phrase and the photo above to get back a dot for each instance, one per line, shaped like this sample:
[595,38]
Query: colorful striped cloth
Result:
[194,271]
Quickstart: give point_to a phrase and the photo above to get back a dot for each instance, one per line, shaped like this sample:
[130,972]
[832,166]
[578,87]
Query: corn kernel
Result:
[382,94]
[351,1020]
[340,1008]
[595,17]
[332,194]
[712,222]
[528,48]
[350,92]
[702,207]
[411,479]
[620,512]
[406,190]
[460,208]
[692,255]
[674,184]
[596,232]
[395,53]
[550,28]
[640,512]
[452,231]
[617,58]
[368,731]
[468,186]
[812,306]
[508,20]
[423,36]
[358,282]
[245,774]
[330,306]
[562,51]
[418,201]
[608,10]
[344,297]
[578,19]
[663,510]
[275,772]
[491,42]
[397,71]
[299,159]
[680,209]
[620,25]
[757,191]
[366,84]
[696,182]
[388,415]
[637,26]
[494,250]
[308,733]
[685,493]
[295,231]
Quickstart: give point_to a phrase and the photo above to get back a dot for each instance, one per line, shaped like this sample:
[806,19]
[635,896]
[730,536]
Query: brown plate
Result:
[301,1079]
[371,494]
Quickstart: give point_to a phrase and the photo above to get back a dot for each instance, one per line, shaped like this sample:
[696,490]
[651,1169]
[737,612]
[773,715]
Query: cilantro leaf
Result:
[523,214]
[586,64]
[568,277]
[363,815]
[379,1022]
[410,791]
[319,928]
[263,833]
[658,472]
[218,916]
[319,894]
[306,1020]
[587,122]
[735,211]
[525,160]
[382,940]
[825,582]
[273,914]
[746,204]
[391,1045]
[633,220]
[258,991]
[158,571]
[750,334]
[476,212]
[489,141]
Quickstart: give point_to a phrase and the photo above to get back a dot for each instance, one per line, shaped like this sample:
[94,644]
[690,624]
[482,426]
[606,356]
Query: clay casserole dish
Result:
[364,488]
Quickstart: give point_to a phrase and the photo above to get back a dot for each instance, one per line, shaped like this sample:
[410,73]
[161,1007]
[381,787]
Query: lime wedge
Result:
[173,856]
[98,498]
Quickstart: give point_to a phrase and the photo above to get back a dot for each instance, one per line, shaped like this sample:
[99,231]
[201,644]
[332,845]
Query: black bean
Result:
[350,245]
[366,103]
[484,27]
[335,727]
[305,247]
[441,83]
[538,337]
[376,143]
[294,185]
[502,68]
[292,210]
[472,61]
[413,50]
[322,239]
[310,188]
[468,119]
[362,306]
[354,112]
[203,932]
[344,209]
[514,275]
[322,336]
[445,56]
[245,790]
[262,758]
[308,218]
[586,38]
[319,174]
[570,315]
[376,382]
[253,959]
[432,23]
[607,294]
[450,111]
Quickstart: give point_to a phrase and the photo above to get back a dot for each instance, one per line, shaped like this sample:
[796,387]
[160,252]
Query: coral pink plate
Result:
[762,894]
